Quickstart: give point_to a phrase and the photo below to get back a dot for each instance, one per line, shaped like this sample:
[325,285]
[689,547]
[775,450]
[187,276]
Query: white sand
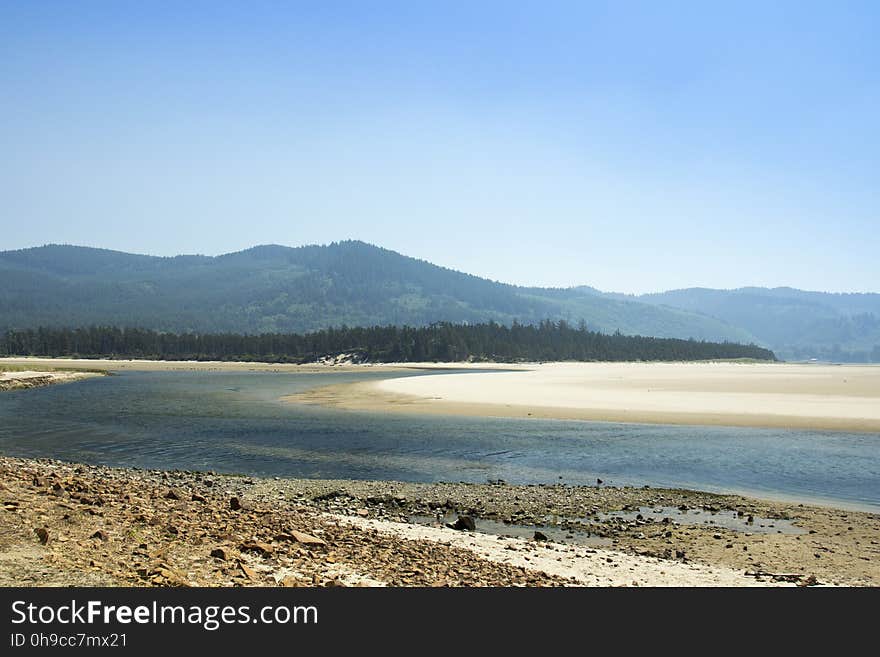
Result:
[588,566]
[54,377]
[777,394]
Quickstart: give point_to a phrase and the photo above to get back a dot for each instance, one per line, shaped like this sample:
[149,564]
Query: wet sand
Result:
[821,397]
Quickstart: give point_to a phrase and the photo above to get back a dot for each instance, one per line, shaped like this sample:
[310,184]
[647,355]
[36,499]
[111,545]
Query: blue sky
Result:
[632,146]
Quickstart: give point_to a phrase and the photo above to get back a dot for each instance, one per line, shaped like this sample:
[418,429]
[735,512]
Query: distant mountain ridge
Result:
[797,324]
[273,288]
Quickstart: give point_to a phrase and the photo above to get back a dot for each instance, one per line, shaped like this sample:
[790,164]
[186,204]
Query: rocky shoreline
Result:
[73,524]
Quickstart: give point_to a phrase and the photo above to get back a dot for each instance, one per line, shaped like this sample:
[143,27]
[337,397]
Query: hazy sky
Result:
[626,145]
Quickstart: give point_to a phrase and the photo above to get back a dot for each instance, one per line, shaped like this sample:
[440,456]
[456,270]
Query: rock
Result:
[220,553]
[235,504]
[300,537]
[363,513]
[43,534]
[198,498]
[809,581]
[463,523]
[101,534]
[250,573]
[540,536]
[256,546]
[165,574]
[172,494]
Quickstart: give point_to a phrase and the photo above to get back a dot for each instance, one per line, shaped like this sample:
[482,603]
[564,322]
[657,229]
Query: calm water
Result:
[234,422]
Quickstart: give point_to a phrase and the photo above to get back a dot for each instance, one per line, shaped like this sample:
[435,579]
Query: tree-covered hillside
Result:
[293,290]
[276,289]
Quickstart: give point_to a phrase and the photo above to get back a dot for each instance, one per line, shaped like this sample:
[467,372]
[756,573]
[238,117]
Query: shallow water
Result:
[235,422]
[722,518]
[495,528]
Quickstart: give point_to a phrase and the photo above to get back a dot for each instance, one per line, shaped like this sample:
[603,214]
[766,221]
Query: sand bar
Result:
[22,379]
[822,397]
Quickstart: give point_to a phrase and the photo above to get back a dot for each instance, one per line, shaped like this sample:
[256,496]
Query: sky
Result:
[631,146]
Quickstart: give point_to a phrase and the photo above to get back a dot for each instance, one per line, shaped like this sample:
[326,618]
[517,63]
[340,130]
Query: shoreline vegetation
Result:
[439,342]
[75,524]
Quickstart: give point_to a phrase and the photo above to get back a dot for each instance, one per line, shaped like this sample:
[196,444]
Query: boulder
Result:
[220,553]
[463,523]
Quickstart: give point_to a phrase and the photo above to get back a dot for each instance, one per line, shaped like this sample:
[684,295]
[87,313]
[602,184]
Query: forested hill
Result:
[798,324]
[270,289]
[276,289]
[443,342]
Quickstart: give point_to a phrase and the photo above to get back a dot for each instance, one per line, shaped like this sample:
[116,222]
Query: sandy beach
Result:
[23,379]
[823,397]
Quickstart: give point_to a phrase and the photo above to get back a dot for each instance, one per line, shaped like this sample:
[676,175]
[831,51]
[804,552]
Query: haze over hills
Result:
[282,289]
[796,323]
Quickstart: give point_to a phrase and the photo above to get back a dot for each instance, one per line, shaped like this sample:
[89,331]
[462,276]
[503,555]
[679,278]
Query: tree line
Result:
[439,342]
